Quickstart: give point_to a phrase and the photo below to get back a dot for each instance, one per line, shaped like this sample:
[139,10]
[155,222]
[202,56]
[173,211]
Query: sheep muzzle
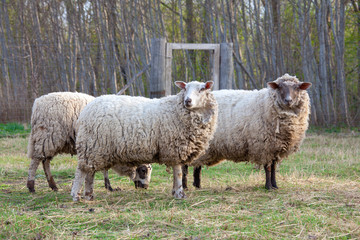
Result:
[139,184]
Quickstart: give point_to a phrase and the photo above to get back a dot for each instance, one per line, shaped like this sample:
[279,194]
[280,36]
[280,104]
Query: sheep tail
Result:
[30,148]
[277,130]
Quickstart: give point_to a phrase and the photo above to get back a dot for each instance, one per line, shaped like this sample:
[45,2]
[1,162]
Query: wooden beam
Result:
[216,68]
[168,69]
[133,80]
[158,81]
[223,71]
[194,46]
[226,66]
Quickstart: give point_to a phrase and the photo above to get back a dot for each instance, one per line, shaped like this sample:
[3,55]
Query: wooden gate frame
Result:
[161,60]
[194,46]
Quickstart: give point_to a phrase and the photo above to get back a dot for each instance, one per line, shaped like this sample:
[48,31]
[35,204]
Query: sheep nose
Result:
[288,100]
[188,102]
[139,184]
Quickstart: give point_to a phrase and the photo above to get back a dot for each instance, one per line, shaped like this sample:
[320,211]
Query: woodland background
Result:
[97,46]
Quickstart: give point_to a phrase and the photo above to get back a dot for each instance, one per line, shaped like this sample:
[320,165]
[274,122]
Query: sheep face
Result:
[194,93]
[288,91]
[143,176]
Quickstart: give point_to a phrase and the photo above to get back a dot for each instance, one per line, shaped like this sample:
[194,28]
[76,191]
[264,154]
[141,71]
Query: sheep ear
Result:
[304,85]
[273,85]
[180,84]
[209,84]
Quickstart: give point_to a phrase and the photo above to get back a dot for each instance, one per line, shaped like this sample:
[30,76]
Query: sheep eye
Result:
[202,89]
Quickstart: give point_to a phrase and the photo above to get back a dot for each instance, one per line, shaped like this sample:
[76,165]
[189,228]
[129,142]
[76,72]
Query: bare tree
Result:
[338,30]
[97,47]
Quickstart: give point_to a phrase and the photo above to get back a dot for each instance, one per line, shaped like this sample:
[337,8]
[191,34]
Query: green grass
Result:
[318,198]
[14,130]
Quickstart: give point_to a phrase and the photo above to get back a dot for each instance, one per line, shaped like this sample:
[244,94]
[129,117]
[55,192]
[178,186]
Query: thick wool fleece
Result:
[52,123]
[253,127]
[135,130]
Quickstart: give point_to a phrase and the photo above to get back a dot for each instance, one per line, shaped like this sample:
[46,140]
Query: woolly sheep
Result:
[260,126]
[52,132]
[126,130]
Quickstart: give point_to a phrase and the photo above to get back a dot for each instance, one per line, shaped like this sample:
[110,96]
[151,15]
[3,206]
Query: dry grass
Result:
[319,198]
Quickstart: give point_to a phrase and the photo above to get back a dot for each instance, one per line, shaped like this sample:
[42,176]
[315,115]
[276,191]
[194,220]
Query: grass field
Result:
[14,130]
[318,198]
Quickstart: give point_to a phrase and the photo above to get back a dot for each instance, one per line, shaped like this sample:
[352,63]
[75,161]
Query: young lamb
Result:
[126,130]
[262,127]
[52,132]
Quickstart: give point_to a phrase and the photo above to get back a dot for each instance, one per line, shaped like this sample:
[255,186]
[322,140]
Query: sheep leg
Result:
[268,184]
[273,176]
[178,191]
[185,171]
[89,186]
[32,172]
[197,177]
[78,181]
[107,181]
[49,177]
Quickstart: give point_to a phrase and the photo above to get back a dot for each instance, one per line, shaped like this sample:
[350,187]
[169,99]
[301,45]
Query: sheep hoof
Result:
[30,185]
[268,186]
[52,184]
[89,196]
[76,199]
[179,193]
[197,185]
[271,187]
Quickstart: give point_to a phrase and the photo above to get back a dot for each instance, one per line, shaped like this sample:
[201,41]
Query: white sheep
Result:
[52,132]
[126,130]
[260,126]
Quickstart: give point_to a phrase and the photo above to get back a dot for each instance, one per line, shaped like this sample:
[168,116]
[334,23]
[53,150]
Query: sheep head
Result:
[194,93]
[289,90]
[142,176]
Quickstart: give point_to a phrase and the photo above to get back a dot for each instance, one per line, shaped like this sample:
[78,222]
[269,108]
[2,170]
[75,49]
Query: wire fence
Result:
[17,96]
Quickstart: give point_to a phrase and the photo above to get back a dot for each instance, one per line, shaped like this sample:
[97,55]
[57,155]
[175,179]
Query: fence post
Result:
[226,66]
[158,85]
[216,70]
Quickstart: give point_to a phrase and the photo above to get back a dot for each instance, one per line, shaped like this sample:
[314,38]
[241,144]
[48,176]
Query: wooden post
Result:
[168,69]
[161,60]
[158,83]
[226,66]
[216,70]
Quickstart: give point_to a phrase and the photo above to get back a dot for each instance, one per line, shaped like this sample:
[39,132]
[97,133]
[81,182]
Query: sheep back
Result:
[52,123]
[252,127]
[136,130]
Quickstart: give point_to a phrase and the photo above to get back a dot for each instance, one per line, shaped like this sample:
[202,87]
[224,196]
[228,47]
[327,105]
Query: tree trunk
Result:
[6,85]
[357,12]
[338,30]
[246,43]
[325,94]
[190,34]
[276,21]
